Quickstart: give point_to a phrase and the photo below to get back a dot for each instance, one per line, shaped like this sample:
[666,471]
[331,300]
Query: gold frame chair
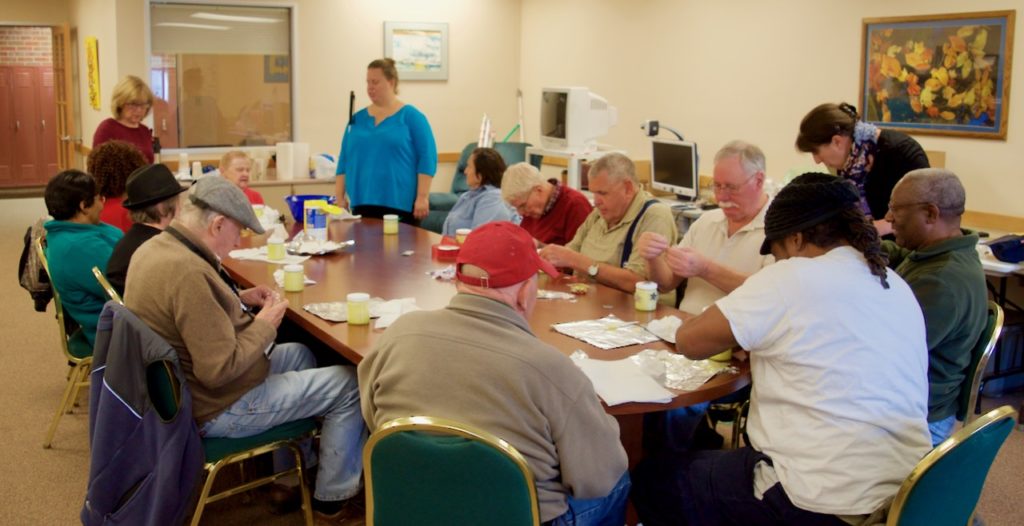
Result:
[78,377]
[107,287]
[992,418]
[448,427]
[986,354]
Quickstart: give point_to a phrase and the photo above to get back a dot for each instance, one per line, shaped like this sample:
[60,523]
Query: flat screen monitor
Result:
[674,167]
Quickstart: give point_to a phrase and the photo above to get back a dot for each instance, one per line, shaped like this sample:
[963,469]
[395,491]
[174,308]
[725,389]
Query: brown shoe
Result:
[352,513]
[284,499]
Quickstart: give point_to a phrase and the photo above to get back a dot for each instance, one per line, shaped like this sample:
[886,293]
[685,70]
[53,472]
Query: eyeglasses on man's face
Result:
[731,187]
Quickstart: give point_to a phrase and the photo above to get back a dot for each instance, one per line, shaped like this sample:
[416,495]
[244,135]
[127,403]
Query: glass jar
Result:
[390,223]
[294,278]
[358,308]
[646,296]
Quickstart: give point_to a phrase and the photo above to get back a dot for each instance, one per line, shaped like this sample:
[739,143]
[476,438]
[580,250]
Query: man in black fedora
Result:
[152,201]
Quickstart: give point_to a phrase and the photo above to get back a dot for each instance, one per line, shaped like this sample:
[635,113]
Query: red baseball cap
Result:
[505,251]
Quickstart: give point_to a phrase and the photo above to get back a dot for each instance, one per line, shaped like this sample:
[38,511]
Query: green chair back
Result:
[971,386]
[431,471]
[945,486]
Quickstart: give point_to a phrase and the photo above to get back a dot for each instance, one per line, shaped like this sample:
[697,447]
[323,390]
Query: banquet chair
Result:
[432,471]
[107,287]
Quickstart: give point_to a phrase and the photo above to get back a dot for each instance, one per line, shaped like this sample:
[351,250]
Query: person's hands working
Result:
[651,245]
[257,296]
[273,310]
[686,262]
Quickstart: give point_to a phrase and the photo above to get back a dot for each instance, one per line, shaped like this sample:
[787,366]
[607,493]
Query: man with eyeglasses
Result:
[939,261]
[720,249]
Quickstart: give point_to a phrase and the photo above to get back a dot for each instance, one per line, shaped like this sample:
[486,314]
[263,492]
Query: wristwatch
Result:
[592,270]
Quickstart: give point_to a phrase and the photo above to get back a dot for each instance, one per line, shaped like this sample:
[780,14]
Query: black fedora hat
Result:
[150,184]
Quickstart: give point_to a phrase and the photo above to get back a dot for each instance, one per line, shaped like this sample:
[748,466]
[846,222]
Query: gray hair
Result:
[520,179]
[616,166]
[751,157]
[936,186]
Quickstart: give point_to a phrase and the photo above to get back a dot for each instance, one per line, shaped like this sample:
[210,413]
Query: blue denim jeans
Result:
[296,389]
[609,510]
[941,429]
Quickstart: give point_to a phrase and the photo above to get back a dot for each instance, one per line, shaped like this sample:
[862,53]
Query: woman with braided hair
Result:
[839,368]
[872,158]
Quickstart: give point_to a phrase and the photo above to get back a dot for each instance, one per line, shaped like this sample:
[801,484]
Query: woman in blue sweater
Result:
[76,241]
[388,156]
[483,202]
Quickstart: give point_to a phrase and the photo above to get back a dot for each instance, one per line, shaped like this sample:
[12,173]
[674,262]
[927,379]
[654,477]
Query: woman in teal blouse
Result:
[388,155]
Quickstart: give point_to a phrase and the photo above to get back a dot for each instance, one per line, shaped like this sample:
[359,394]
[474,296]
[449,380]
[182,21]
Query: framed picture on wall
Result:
[938,74]
[420,49]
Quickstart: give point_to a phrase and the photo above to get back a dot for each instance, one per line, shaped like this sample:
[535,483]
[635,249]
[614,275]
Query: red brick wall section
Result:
[25,46]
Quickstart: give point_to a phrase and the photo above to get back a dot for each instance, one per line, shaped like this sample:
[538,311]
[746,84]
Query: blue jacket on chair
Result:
[143,467]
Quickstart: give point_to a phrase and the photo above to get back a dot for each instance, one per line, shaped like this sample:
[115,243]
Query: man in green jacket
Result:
[939,261]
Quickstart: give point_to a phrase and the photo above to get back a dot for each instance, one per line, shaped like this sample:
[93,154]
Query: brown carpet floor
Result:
[47,486]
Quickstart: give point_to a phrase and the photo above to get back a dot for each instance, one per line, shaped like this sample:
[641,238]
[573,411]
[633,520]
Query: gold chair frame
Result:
[989,419]
[107,287]
[445,426]
[78,377]
[979,372]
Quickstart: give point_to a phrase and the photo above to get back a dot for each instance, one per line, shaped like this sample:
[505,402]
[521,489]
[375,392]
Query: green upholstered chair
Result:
[76,349]
[970,390]
[107,287]
[945,486]
[431,471]
[222,452]
[442,202]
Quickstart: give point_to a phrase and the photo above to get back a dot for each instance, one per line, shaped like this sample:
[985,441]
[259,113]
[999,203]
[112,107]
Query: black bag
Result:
[1008,248]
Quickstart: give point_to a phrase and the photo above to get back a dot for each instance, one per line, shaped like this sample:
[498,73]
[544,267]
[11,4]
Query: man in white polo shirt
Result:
[838,414]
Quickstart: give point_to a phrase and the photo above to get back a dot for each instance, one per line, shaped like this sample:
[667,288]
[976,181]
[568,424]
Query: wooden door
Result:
[48,137]
[63,96]
[26,117]
[6,128]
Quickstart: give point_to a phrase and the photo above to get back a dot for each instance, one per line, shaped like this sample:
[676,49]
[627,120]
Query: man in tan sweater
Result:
[242,383]
[477,362]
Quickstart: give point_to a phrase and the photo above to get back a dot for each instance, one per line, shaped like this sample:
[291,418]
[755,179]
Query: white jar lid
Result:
[646,285]
[391,217]
[461,231]
[275,239]
[357,297]
[293,268]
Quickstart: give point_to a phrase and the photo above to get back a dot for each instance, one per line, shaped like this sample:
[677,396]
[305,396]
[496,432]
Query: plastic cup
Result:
[723,356]
[358,308]
[275,249]
[391,224]
[645,298]
[460,234]
[294,278]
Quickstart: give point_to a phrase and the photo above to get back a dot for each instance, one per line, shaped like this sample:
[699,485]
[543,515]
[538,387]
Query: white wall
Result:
[742,69]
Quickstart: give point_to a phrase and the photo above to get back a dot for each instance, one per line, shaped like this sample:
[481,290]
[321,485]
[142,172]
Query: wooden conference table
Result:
[376,265]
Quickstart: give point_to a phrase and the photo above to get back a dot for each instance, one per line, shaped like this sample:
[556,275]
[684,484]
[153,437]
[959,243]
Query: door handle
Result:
[44,124]
[163,124]
[17,125]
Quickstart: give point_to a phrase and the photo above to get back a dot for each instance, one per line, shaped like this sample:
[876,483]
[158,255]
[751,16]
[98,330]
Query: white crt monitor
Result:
[674,167]
[573,118]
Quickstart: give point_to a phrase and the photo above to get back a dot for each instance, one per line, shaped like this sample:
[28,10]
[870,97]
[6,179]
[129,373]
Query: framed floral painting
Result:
[938,74]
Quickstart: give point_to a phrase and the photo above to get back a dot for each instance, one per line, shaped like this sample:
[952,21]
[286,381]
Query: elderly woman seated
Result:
[482,203]
[551,211]
[236,166]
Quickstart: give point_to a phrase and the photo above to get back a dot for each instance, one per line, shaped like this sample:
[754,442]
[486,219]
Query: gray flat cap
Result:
[221,195]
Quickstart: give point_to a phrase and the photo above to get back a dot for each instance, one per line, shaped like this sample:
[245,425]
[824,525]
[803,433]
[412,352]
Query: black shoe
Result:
[349,512]
[284,499]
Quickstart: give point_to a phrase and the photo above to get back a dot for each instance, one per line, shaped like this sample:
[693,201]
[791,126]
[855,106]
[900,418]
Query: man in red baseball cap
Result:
[477,362]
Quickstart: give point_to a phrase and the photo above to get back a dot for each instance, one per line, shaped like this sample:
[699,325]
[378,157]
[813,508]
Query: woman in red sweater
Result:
[111,164]
[130,103]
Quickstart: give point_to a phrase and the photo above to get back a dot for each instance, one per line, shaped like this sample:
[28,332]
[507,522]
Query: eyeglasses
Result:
[732,188]
[137,105]
[893,206]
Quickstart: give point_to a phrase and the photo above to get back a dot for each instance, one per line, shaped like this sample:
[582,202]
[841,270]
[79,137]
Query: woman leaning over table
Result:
[483,202]
[388,155]
[872,158]
[130,103]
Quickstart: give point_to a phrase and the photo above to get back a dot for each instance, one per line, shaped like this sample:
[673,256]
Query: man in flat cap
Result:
[940,263]
[487,369]
[839,367]
[152,202]
[242,383]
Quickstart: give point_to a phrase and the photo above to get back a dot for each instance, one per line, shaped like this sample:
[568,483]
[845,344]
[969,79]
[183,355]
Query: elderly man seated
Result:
[604,246]
[243,383]
[721,248]
[488,369]
[552,212]
[839,365]
[939,261]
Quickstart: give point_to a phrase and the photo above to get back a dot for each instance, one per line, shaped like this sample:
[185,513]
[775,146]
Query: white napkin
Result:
[279,278]
[393,309]
[665,328]
[260,254]
[622,381]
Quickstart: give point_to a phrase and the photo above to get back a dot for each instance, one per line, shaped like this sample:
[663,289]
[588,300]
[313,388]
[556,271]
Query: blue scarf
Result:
[865,144]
